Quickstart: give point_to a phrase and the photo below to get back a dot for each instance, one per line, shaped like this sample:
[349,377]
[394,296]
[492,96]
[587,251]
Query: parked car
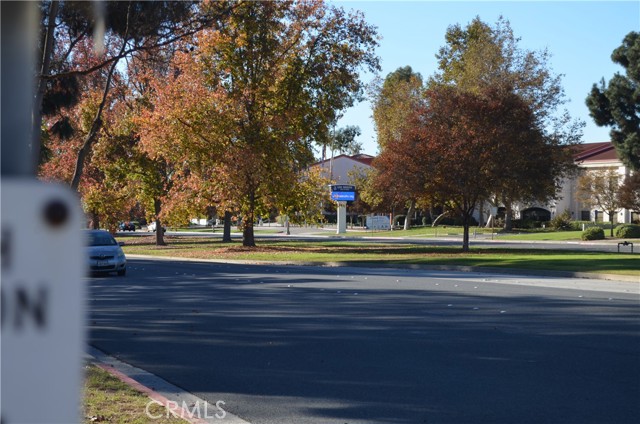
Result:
[127,226]
[105,253]
[152,227]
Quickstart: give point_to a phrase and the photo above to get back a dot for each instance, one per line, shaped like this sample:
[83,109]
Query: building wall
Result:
[567,199]
[338,169]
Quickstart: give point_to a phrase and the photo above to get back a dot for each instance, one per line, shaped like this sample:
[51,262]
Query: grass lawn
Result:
[353,252]
[524,235]
[544,236]
[109,400]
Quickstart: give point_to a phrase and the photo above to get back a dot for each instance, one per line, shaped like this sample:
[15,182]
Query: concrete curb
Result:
[185,405]
[458,268]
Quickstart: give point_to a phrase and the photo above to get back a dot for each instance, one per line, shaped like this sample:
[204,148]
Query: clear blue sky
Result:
[580,35]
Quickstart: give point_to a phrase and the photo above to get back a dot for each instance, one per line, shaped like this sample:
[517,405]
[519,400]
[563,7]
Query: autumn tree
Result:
[104,199]
[629,193]
[125,29]
[245,104]
[599,189]
[617,105]
[400,176]
[458,141]
[480,57]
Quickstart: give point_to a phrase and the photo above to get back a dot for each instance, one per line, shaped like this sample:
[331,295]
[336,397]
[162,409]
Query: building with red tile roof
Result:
[589,156]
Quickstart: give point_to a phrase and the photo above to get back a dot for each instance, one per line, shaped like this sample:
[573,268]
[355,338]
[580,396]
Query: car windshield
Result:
[101,239]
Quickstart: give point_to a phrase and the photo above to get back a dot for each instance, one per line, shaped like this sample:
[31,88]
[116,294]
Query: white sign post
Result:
[42,303]
[342,218]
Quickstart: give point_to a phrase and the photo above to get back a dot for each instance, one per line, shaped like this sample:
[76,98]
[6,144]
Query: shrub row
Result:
[627,231]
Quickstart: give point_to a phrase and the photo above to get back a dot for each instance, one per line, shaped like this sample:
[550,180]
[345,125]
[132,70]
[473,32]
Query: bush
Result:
[627,231]
[398,220]
[593,233]
[577,225]
[527,224]
[561,222]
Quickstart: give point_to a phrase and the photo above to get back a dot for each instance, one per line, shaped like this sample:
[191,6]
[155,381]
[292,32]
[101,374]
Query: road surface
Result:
[352,345]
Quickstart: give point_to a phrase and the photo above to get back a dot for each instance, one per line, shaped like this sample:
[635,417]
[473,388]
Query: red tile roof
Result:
[593,152]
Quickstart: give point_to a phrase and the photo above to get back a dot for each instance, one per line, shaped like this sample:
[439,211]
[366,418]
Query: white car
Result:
[152,227]
[105,253]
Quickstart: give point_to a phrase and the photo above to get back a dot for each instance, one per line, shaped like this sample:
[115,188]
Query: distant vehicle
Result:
[105,253]
[127,226]
[152,227]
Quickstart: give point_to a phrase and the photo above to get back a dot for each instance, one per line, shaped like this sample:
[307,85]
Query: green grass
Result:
[353,252]
[544,236]
[108,400]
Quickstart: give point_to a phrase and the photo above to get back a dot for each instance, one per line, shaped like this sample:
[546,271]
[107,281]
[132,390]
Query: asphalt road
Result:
[352,345]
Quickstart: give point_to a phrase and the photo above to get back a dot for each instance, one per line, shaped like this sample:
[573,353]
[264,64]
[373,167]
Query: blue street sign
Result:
[343,196]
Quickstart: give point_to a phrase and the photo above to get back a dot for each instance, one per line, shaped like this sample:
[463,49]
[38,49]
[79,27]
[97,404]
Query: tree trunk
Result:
[226,232]
[508,215]
[248,239]
[157,206]
[438,218]
[95,126]
[95,221]
[465,234]
[407,219]
[611,218]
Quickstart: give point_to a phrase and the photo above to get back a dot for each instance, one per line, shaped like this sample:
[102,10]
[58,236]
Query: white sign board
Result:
[42,303]
[376,222]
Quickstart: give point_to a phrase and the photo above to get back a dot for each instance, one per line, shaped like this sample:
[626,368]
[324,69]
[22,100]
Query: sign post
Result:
[42,301]
[42,264]
[342,193]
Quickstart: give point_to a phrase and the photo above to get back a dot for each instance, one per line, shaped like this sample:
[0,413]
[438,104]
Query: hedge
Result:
[627,231]
[593,233]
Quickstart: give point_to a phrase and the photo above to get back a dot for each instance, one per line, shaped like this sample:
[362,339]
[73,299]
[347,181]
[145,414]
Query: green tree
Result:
[617,105]
[394,99]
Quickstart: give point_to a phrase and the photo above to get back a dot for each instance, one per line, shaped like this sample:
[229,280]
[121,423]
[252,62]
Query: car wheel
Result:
[122,272]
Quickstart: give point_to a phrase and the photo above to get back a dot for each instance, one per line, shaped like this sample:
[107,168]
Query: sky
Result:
[580,35]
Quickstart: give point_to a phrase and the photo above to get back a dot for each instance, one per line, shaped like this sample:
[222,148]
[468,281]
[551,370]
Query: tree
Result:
[129,28]
[304,203]
[244,104]
[600,189]
[617,105]
[629,193]
[343,140]
[480,57]
[457,141]
[394,100]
